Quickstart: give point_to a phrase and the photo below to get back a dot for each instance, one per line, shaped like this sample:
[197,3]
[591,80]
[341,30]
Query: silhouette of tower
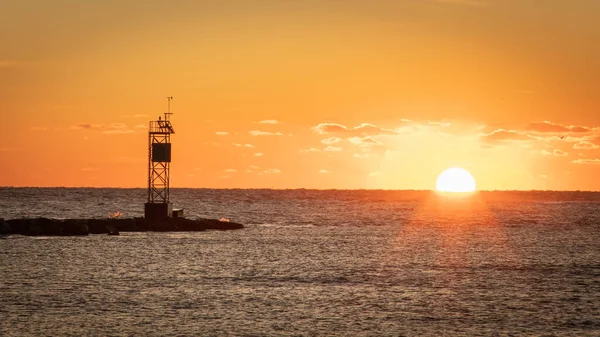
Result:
[158,205]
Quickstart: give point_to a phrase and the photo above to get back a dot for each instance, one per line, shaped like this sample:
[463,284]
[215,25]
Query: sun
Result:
[455,179]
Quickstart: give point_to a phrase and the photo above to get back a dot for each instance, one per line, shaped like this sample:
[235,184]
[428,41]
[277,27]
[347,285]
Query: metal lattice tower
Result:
[159,158]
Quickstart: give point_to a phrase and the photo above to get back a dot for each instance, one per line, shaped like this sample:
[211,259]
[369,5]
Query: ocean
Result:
[308,263]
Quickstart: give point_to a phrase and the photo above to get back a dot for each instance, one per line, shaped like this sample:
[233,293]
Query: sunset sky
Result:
[302,94]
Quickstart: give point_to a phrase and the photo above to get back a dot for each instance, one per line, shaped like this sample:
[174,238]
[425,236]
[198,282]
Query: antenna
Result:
[168,113]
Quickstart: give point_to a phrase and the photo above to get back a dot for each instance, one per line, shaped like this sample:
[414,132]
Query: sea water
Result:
[308,263]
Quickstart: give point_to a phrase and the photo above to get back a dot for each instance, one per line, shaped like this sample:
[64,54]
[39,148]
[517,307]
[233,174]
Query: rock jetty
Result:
[71,227]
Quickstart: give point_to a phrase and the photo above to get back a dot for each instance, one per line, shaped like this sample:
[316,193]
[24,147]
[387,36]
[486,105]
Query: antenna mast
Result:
[168,113]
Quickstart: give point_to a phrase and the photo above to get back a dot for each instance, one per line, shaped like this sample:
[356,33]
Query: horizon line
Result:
[298,188]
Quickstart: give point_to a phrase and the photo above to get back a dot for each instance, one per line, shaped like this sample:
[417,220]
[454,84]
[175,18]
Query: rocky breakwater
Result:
[70,227]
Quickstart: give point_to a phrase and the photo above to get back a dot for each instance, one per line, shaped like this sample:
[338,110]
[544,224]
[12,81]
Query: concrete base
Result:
[158,211]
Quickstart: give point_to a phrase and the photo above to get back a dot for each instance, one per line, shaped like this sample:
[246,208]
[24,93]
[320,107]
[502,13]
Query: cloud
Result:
[556,152]
[221,133]
[560,153]
[268,121]
[88,126]
[136,116]
[264,133]
[117,126]
[585,145]
[332,149]
[243,145]
[549,127]
[369,140]
[323,171]
[272,171]
[366,141]
[251,168]
[587,161]
[364,129]
[443,123]
[141,126]
[114,128]
[567,139]
[500,135]
[258,154]
[312,149]
[230,170]
[331,140]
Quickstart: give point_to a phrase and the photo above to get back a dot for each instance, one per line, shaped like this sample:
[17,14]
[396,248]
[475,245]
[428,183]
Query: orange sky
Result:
[302,94]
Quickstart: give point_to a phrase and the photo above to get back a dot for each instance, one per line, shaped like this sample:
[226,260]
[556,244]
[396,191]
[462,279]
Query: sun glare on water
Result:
[455,179]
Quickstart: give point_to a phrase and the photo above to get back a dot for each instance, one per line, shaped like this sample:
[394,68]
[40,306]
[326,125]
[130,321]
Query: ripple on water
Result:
[368,264]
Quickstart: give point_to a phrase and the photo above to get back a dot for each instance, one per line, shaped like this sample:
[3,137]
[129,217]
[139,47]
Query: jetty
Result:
[75,227]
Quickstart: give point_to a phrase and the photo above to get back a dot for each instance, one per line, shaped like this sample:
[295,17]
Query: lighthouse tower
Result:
[158,205]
